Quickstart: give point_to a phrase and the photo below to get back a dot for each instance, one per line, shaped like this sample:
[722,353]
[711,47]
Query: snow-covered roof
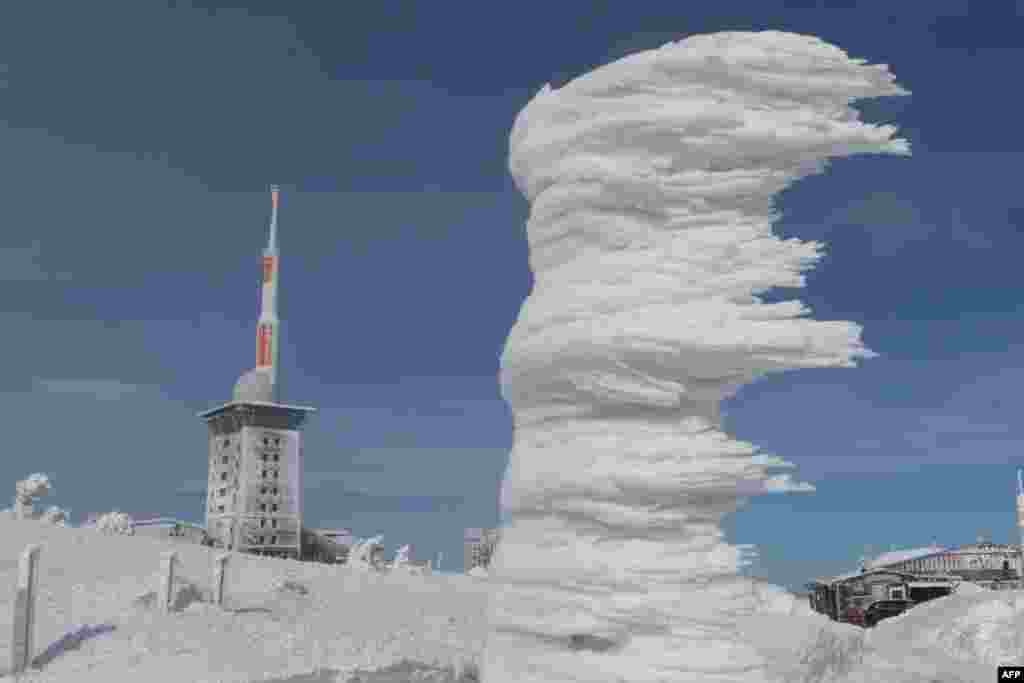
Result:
[976,549]
[839,578]
[231,404]
[898,556]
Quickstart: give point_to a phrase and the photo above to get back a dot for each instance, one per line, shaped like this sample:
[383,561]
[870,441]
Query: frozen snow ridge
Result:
[652,182]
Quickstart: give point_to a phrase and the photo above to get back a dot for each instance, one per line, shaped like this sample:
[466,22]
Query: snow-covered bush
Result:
[115,522]
[27,492]
[55,515]
[403,562]
[367,555]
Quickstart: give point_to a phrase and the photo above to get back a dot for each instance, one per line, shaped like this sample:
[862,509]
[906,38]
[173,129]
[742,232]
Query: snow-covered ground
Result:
[331,617]
[337,620]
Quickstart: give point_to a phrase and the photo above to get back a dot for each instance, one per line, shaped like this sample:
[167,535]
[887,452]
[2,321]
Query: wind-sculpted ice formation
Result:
[652,182]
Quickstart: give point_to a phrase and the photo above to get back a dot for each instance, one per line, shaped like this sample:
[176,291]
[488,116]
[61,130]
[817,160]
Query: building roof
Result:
[897,556]
[856,574]
[986,548]
[263,404]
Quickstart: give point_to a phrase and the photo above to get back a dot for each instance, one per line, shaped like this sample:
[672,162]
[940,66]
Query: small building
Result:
[479,546]
[838,595]
[338,544]
[992,565]
[325,545]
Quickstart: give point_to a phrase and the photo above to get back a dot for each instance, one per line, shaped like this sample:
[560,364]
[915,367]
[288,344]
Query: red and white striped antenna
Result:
[275,198]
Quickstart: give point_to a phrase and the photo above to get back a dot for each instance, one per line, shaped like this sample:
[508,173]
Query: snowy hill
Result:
[328,617]
[334,619]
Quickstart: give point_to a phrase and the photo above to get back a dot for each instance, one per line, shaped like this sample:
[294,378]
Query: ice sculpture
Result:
[651,181]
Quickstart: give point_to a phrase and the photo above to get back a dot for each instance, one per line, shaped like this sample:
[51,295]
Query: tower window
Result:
[223,476]
[277,442]
[263,474]
[277,457]
[273,540]
[227,442]
[275,490]
[273,523]
[223,460]
[263,523]
[274,508]
[220,508]
[263,491]
[263,507]
[259,539]
[222,492]
[275,474]
[266,441]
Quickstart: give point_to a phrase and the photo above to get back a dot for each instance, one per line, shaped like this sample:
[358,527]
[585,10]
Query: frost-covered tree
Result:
[27,492]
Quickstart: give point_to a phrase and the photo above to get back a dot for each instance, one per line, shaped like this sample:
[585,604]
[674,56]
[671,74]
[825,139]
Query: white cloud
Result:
[100,389]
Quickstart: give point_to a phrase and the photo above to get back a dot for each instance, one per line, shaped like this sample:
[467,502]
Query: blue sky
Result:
[137,141]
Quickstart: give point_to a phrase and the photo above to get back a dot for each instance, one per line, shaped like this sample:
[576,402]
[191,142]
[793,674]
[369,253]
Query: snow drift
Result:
[651,181]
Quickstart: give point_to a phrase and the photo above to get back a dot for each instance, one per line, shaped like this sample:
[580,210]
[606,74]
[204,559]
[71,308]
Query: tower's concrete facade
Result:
[254,488]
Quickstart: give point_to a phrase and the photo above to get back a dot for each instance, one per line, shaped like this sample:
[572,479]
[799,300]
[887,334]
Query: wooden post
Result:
[25,610]
[166,594]
[219,578]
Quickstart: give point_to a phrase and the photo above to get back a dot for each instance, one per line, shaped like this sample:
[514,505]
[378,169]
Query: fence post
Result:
[219,578]
[166,595]
[25,609]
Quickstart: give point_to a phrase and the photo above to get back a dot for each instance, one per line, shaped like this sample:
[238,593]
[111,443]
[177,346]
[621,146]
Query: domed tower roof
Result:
[256,385]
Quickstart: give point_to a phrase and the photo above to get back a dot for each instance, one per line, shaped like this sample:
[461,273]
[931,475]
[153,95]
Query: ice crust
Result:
[651,182]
